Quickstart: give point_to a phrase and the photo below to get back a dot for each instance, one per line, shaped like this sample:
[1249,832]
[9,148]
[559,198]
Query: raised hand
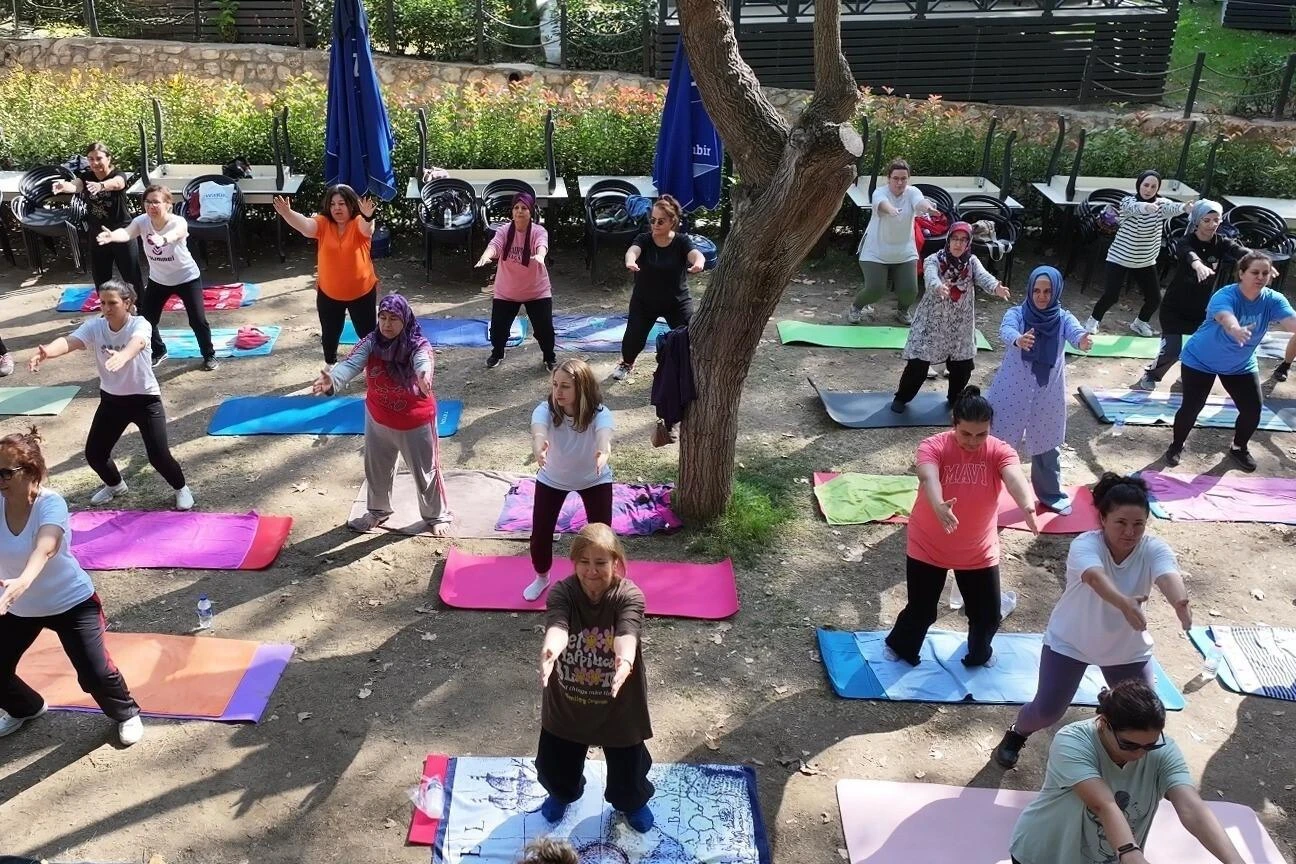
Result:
[281,205]
[1026,341]
[368,206]
[945,513]
[620,672]
[1132,609]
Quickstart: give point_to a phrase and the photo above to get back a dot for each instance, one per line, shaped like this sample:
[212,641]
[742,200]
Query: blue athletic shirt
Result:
[1211,349]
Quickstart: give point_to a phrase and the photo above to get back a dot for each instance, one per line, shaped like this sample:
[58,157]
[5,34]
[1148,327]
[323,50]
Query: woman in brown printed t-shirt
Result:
[595,687]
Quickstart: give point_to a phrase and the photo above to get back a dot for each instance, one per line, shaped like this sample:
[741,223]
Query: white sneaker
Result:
[856,314]
[890,655]
[1007,603]
[621,372]
[6,365]
[184,499]
[104,494]
[10,724]
[130,731]
[905,316]
[1092,326]
[536,588]
[1142,327]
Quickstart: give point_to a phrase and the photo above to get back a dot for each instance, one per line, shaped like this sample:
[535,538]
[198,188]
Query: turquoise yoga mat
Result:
[309,415]
[35,401]
[455,332]
[183,345]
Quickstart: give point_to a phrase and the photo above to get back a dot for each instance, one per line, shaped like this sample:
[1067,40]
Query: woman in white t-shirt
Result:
[128,392]
[172,270]
[571,438]
[44,588]
[1099,619]
[888,252]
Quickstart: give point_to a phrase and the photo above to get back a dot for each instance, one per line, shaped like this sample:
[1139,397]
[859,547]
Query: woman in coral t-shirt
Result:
[954,527]
[346,281]
[522,279]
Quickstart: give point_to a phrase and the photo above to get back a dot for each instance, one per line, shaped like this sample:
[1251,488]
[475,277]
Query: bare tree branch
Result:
[752,129]
[836,93]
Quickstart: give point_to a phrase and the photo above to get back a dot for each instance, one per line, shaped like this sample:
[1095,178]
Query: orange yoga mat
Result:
[188,676]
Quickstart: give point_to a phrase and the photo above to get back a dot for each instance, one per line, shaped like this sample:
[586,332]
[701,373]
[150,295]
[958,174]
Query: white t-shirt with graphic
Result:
[170,263]
[136,377]
[62,583]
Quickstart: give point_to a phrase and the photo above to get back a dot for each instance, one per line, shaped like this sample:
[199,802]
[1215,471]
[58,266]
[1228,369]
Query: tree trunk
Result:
[792,184]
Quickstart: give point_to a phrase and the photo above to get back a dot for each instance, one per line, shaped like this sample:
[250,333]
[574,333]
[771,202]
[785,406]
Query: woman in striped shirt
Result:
[1134,251]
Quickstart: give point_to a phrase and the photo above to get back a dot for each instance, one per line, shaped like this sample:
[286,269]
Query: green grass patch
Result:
[761,509]
[1234,52]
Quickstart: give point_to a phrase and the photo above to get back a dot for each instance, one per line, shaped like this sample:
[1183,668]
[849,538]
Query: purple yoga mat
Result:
[253,694]
[122,539]
[637,508]
[1203,498]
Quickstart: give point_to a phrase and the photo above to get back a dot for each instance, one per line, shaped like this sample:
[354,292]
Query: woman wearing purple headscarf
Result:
[522,279]
[400,414]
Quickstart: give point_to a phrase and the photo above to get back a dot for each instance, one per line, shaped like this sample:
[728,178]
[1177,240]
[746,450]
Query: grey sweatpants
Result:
[418,447]
[878,277]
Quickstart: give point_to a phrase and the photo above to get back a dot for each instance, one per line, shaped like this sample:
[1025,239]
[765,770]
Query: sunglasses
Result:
[8,473]
[664,220]
[1131,746]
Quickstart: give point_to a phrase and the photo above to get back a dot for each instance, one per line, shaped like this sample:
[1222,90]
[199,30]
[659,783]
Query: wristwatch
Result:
[1128,847]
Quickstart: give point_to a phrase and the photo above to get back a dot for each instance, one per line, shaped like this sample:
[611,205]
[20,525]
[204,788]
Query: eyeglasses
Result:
[8,473]
[1130,746]
[663,220]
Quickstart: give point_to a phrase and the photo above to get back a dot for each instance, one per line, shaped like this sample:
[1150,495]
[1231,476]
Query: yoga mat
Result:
[269,541]
[637,509]
[309,415]
[704,813]
[82,298]
[1138,408]
[1083,516]
[1255,660]
[183,345]
[598,333]
[1122,345]
[35,401]
[852,336]
[476,499]
[854,499]
[1206,498]
[679,590]
[455,332]
[194,677]
[430,801]
[122,539]
[867,410]
[885,822]
[857,669]
[1273,345]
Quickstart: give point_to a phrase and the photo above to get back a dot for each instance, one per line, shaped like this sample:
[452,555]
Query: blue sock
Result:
[552,809]
[640,820]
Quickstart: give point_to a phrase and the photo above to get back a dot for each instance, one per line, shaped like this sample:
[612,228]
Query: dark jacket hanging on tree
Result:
[672,388]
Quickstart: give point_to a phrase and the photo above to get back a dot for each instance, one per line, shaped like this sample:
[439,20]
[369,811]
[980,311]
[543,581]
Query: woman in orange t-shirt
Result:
[346,281]
[954,526]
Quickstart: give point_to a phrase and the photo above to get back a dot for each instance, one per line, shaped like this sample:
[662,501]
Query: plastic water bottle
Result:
[956,597]
[1118,428]
[1210,663]
[204,612]
[447,218]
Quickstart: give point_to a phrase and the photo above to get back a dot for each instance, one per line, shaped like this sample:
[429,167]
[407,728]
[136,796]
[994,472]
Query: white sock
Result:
[184,498]
[536,588]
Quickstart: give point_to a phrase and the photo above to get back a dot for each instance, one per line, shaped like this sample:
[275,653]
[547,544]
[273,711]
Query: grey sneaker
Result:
[210,364]
[10,724]
[6,365]
[104,494]
[1146,384]
[622,371]
[1142,327]
[857,314]
[1092,326]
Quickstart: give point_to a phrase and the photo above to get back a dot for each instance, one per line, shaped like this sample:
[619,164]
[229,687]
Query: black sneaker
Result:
[1242,456]
[1009,749]
[897,406]
[1172,455]
[210,364]
[551,365]
[494,360]
[159,359]
[1281,370]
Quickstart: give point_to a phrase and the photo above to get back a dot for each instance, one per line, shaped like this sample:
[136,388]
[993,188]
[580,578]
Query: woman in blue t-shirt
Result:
[1225,346]
[571,439]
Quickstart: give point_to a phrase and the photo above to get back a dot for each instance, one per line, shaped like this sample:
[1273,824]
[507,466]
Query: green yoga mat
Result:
[851,336]
[853,499]
[1112,345]
[32,401]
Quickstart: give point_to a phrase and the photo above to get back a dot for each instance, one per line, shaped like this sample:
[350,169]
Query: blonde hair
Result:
[549,850]
[597,537]
[589,396]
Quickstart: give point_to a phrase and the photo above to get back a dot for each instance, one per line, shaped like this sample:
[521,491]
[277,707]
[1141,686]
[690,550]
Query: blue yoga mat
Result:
[183,345]
[857,669]
[1273,668]
[455,332]
[1139,408]
[74,296]
[598,334]
[309,415]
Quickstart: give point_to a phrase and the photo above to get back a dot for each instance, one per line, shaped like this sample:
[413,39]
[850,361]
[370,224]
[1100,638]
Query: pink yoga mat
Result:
[886,822]
[1203,498]
[679,590]
[122,539]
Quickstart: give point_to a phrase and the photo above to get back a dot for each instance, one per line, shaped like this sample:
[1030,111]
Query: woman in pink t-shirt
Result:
[522,279]
[954,527]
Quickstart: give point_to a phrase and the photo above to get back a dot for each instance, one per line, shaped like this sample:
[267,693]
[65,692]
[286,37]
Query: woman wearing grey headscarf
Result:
[1197,255]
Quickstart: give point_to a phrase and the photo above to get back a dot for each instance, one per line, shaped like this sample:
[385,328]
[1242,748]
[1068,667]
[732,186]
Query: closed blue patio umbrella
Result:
[689,153]
[358,140]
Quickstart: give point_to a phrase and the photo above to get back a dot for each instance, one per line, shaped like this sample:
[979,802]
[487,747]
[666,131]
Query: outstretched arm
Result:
[1195,816]
[303,225]
[1021,493]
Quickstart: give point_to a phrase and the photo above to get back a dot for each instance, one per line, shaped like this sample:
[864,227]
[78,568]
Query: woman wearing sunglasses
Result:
[1099,619]
[1104,781]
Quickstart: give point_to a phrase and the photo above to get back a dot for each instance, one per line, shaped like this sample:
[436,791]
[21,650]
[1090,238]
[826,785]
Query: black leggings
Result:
[3,350]
[544,516]
[540,313]
[112,417]
[191,294]
[925,583]
[560,767]
[81,630]
[124,255]
[915,373]
[1146,277]
[332,318]
[643,315]
[1244,390]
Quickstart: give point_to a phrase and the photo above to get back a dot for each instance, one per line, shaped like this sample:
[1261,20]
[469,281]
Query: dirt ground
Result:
[324,776]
